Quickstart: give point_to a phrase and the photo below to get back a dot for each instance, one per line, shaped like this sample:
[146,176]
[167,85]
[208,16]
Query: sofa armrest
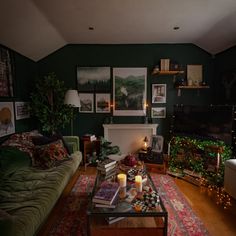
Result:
[72,142]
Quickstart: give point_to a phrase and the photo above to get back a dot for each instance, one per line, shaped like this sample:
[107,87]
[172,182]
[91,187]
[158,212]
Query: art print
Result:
[86,102]
[93,78]
[129,91]
[158,93]
[158,112]
[22,110]
[103,102]
[7,118]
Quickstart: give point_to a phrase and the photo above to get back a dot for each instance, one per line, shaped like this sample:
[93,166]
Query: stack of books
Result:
[122,207]
[89,137]
[107,168]
[106,195]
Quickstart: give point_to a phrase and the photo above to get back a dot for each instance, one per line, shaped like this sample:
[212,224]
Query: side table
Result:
[154,161]
[88,148]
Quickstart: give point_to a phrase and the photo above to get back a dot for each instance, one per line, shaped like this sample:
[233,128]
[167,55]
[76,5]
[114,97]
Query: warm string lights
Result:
[219,194]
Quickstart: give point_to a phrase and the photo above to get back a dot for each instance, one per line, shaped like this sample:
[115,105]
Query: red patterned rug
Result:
[182,221]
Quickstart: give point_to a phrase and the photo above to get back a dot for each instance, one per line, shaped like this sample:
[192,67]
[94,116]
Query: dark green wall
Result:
[24,72]
[225,65]
[64,62]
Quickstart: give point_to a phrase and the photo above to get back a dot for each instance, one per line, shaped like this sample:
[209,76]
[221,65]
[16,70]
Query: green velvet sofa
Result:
[28,194]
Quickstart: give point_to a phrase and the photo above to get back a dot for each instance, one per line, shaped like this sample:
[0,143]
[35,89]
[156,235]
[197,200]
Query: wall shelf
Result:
[168,72]
[190,87]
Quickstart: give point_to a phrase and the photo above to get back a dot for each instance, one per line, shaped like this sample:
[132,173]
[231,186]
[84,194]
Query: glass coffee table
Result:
[150,219]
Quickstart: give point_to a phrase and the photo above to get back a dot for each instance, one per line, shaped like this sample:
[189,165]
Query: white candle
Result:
[168,152]
[122,180]
[218,161]
[138,183]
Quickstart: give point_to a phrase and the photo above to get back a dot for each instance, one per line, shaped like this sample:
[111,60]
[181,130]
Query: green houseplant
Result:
[47,104]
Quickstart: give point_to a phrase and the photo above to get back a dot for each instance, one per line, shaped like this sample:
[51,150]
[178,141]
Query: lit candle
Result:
[138,183]
[122,180]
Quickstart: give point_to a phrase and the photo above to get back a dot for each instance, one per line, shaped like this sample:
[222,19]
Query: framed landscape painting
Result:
[93,79]
[86,101]
[7,118]
[103,102]
[129,91]
[158,112]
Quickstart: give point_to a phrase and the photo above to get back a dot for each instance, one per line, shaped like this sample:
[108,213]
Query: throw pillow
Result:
[42,140]
[50,155]
[22,141]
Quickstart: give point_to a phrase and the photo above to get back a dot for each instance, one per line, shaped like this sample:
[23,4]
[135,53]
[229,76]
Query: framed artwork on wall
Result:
[158,93]
[7,118]
[22,110]
[103,101]
[129,91]
[86,102]
[158,112]
[194,75]
[94,79]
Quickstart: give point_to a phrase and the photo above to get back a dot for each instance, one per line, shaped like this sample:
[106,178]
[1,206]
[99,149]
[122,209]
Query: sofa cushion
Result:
[42,140]
[50,155]
[12,159]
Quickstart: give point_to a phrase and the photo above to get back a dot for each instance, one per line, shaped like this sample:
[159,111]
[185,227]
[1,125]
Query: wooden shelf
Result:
[192,87]
[168,72]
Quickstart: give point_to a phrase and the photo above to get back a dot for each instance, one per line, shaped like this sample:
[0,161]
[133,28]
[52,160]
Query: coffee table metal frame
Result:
[98,212]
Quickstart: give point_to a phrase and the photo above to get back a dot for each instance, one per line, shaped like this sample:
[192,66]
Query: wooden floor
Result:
[217,220]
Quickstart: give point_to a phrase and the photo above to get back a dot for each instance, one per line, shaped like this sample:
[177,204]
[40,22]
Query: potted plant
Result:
[47,104]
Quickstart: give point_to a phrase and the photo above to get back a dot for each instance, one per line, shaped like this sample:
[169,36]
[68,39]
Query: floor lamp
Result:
[72,98]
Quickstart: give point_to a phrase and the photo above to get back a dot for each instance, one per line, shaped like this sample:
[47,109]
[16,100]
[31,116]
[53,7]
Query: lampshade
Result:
[72,98]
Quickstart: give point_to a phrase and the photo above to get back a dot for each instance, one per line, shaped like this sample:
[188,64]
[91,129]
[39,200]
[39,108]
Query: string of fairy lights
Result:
[207,159]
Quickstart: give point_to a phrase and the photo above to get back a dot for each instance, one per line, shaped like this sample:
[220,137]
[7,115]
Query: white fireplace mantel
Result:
[129,137]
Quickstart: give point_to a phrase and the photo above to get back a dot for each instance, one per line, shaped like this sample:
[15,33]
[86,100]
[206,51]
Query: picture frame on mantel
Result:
[129,91]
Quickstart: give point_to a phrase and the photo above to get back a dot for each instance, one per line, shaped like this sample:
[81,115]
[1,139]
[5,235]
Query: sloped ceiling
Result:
[36,28]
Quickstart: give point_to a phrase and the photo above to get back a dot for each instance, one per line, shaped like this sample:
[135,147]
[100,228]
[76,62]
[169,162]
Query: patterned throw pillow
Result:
[22,141]
[50,155]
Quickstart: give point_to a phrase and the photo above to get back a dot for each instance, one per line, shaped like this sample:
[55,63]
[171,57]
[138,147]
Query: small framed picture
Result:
[103,102]
[158,112]
[157,143]
[158,93]
[22,110]
[194,75]
[86,101]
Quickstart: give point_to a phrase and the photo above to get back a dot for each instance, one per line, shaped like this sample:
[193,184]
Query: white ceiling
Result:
[36,28]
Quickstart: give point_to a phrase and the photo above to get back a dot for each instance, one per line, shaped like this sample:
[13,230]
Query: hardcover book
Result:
[106,193]
[106,163]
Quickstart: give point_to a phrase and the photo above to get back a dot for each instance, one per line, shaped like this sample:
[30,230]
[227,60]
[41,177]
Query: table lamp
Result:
[72,98]
[145,143]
